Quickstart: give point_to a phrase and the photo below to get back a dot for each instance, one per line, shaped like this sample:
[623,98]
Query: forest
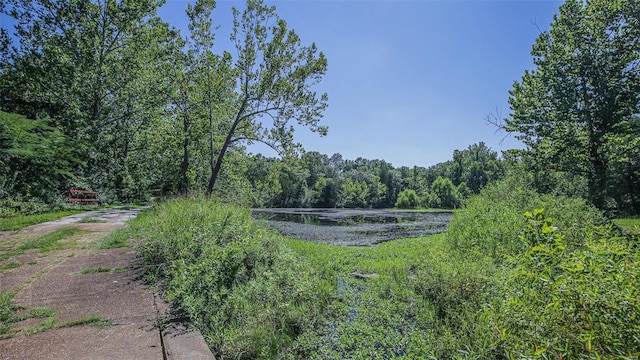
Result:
[535,263]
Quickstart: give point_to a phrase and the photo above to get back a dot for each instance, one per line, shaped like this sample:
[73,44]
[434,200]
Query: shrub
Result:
[443,194]
[407,199]
[492,221]
[572,301]
[248,294]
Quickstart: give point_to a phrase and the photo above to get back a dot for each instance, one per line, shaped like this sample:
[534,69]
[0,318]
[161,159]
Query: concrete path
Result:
[98,306]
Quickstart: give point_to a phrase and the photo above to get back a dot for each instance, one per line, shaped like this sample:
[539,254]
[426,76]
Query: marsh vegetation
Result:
[516,275]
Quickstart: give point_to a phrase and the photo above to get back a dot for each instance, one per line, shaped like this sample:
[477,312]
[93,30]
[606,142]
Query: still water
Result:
[353,227]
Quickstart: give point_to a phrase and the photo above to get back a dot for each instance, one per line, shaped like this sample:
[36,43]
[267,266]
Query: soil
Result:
[353,227]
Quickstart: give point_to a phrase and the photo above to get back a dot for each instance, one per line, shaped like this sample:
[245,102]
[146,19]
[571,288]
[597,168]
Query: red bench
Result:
[83,196]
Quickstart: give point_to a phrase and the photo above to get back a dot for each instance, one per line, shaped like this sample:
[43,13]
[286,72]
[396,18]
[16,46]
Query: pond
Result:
[353,227]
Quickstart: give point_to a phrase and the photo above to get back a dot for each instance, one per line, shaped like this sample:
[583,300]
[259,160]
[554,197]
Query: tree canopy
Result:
[577,111]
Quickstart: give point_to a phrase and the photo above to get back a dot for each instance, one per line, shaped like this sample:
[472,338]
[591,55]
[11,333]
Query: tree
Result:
[575,110]
[35,159]
[407,199]
[202,85]
[90,68]
[274,76]
[443,194]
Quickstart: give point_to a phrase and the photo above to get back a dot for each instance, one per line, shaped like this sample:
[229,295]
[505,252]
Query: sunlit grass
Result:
[116,239]
[632,225]
[20,222]
[45,243]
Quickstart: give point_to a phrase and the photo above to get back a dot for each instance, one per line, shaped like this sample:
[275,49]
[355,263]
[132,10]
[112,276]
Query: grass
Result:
[631,225]
[116,239]
[89,220]
[10,265]
[45,243]
[50,241]
[256,294]
[11,314]
[93,320]
[20,222]
[102,269]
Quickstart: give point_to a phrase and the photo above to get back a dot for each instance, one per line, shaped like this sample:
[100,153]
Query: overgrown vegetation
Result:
[249,295]
[11,314]
[502,283]
[20,222]
[44,243]
[116,239]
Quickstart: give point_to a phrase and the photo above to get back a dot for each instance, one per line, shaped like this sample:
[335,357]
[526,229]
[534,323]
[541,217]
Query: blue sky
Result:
[408,81]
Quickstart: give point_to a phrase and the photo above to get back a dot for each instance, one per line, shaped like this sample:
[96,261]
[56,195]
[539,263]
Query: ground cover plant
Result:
[12,314]
[44,243]
[21,221]
[530,287]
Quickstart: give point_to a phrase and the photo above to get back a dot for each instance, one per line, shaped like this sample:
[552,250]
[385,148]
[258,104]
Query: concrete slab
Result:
[55,281]
[138,340]
[183,343]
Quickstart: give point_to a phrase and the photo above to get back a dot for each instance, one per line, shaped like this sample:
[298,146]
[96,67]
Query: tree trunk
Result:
[184,182]
[227,141]
[597,180]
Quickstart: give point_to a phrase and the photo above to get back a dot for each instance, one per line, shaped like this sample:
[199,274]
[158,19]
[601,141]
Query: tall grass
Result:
[249,295]
[498,285]
[255,294]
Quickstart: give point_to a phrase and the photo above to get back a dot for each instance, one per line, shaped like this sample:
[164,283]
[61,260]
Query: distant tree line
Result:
[319,180]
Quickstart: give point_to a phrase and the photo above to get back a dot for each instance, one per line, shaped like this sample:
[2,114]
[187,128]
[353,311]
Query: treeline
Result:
[319,180]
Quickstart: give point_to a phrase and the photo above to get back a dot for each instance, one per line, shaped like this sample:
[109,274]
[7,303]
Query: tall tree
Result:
[274,76]
[91,70]
[574,110]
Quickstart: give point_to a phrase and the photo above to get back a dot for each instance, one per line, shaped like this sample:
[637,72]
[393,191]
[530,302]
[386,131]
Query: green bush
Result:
[572,301]
[492,221]
[12,208]
[248,295]
[407,199]
[442,195]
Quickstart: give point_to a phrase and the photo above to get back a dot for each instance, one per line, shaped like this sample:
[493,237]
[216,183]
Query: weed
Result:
[41,312]
[10,314]
[93,320]
[22,221]
[88,220]
[50,241]
[44,243]
[10,265]
[46,324]
[116,239]
[102,270]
